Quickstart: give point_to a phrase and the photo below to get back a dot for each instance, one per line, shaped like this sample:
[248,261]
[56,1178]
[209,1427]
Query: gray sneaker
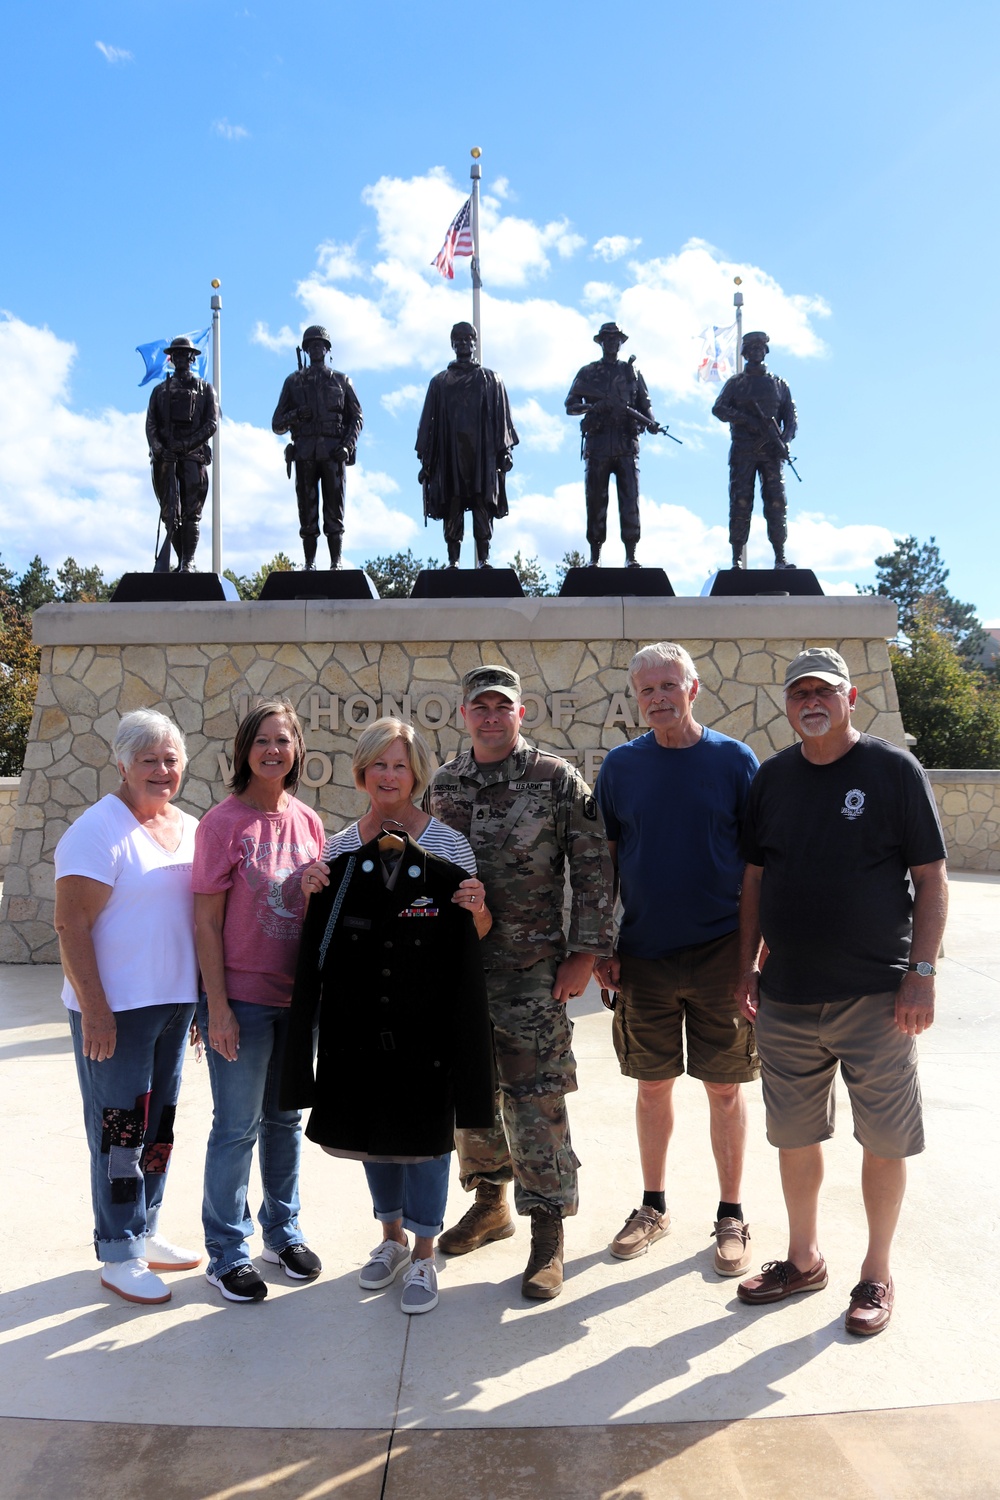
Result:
[643,1227]
[383,1265]
[420,1287]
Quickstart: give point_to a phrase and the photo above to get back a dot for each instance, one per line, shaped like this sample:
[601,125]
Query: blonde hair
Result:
[378,737]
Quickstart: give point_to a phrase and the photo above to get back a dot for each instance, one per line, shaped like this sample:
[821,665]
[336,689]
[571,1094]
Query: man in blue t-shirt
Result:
[673,803]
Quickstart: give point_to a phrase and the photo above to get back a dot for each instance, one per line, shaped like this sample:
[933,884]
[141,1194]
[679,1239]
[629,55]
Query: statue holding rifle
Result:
[181,419]
[612,398]
[761,414]
[320,409]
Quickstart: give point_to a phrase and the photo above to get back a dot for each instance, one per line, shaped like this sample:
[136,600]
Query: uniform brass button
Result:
[416,942]
[384,999]
[386,973]
[387,944]
[436,1063]
[354,937]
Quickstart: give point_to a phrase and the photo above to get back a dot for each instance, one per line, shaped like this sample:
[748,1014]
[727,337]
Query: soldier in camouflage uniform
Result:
[761,414]
[528,815]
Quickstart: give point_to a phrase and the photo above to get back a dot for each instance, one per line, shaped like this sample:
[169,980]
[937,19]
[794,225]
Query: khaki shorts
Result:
[690,992]
[800,1049]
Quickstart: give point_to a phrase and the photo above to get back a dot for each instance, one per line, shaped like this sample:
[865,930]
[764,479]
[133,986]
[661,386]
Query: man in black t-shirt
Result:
[835,831]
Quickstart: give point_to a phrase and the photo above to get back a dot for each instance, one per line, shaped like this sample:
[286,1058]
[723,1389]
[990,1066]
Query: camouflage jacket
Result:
[527,818]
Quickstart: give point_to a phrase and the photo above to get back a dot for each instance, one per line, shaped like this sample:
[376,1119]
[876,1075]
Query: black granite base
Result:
[174,588]
[467,583]
[605,583]
[731,583]
[319,583]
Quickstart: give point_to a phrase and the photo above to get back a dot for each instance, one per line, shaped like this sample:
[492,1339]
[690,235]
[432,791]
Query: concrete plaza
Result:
[644,1379]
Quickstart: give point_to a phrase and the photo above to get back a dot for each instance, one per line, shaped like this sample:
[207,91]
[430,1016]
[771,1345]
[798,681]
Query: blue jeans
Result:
[415,1192]
[245,1095]
[128,1110]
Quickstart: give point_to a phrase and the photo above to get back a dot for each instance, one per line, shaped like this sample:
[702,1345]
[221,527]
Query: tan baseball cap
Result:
[818,661]
[490,679]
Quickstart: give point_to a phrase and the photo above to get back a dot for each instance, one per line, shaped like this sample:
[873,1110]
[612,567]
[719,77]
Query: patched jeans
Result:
[245,1095]
[129,1103]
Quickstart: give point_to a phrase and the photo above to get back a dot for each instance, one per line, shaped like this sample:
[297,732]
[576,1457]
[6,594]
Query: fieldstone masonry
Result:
[343,665]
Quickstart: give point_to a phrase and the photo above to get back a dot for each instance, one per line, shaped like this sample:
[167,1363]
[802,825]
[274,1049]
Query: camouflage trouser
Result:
[529,1142]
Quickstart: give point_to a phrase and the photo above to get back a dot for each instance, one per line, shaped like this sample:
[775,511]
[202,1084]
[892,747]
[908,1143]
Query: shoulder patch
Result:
[590,808]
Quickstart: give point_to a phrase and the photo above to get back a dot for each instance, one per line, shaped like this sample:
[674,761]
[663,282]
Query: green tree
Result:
[249,585]
[36,586]
[395,574]
[572,559]
[915,576]
[533,580]
[952,709]
[18,681]
[82,585]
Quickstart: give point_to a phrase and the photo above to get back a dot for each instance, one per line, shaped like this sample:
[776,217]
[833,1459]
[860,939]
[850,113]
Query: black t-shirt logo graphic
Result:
[854,804]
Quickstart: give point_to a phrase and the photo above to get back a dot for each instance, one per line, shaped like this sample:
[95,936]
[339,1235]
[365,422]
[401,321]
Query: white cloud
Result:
[278,342]
[230,132]
[338,262]
[113,54]
[403,399]
[500,188]
[816,541]
[538,428]
[84,478]
[614,246]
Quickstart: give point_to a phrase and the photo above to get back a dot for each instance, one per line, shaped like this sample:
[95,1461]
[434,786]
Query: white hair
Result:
[143,729]
[660,654]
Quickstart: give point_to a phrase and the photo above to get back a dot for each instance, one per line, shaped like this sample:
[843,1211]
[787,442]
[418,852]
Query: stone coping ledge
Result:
[838,617]
[963,776]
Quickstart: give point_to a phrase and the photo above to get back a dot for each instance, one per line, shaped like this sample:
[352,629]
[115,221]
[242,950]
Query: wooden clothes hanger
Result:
[391,842]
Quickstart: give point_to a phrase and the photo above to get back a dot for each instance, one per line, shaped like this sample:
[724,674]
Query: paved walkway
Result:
[639,1381]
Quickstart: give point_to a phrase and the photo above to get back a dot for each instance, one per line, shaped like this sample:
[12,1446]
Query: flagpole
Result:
[738,304]
[217,440]
[475,173]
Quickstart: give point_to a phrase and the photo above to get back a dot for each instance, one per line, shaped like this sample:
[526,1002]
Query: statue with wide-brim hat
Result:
[180,422]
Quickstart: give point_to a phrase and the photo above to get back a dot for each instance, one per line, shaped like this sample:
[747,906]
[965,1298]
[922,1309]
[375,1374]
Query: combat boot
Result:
[543,1275]
[631,561]
[595,557]
[454,553]
[336,547]
[488,1219]
[309,552]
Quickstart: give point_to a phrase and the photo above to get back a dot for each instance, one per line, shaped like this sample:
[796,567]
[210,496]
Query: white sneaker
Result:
[161,1255]
[133,1280]
[420,1287]
[383,1265]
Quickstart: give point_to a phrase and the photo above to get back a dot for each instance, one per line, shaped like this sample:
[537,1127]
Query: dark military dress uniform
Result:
[755,450]
[180,421]
[394,975]
[320,408]
[527,818]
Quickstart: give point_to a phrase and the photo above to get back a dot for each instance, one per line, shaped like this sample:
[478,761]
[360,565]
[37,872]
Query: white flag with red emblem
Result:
[718,355]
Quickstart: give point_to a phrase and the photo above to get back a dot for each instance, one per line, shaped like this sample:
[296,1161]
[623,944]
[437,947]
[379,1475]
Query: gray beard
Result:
[816,728]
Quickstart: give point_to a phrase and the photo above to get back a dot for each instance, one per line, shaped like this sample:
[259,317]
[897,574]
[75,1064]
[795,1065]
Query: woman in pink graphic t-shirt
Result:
[250,852]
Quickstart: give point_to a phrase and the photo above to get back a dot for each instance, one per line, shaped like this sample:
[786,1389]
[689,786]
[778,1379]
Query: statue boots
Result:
[488,1219]
[190,532]
[543,1275]
[454,553]
[631,561]
[336,547]
[483,553]
[595,557]
[309,549]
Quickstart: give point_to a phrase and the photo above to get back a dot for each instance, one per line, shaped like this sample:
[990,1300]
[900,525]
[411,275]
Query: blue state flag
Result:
[155,357]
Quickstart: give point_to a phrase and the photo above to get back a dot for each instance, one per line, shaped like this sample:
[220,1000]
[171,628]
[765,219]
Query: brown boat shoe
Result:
[732,1246]
[871,1307]
[779,1279]
[643,1227]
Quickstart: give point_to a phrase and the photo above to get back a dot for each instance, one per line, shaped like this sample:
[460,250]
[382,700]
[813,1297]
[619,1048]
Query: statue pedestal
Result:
[617,583]
[778,583]
[319,583]
[173,588]
[467,583]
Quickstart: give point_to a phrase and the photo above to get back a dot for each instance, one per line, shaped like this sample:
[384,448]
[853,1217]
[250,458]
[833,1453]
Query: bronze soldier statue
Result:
[320,409]
[181,418]
[464,444]
[761,414]
[612,398]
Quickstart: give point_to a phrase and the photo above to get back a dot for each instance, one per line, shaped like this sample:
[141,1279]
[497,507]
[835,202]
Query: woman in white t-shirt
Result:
[124,915]
[392,764]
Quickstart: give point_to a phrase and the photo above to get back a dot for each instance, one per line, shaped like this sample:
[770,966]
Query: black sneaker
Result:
[297,1261]
[241,1284]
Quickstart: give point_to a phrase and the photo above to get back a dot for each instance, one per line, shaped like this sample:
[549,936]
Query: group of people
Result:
[407,978]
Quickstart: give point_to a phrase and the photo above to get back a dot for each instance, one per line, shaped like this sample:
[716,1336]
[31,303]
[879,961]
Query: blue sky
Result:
[839,159]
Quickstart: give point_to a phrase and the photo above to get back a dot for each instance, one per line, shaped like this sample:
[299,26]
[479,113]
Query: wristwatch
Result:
[923,969]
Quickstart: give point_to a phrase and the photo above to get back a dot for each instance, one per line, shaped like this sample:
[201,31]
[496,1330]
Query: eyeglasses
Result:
[804,695]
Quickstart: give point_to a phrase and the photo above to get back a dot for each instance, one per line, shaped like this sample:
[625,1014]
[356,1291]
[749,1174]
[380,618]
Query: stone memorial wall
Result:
[342,665]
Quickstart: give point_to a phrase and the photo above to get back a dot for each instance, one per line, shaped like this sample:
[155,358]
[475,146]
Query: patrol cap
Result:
[818,661]
[183,342]
[606,330]
[314,331]
[756,334]
[491,680]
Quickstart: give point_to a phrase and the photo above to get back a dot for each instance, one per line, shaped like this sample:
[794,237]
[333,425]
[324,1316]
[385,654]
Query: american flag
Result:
[458,241]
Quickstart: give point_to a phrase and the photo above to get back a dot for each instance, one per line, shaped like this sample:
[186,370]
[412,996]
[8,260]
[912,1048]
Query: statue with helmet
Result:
[464,444]
[180,421]
[612,398]
[318,406]
[762,422]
